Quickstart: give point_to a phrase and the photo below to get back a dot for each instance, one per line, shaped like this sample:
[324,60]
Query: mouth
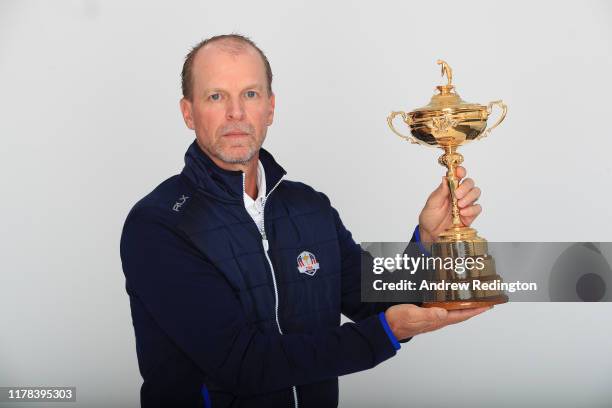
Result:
[236,134]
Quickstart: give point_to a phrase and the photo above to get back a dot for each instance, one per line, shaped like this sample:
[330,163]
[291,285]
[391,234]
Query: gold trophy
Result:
[448,122]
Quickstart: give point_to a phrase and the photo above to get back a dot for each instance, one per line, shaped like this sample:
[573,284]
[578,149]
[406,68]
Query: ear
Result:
[187,111]
[272,102]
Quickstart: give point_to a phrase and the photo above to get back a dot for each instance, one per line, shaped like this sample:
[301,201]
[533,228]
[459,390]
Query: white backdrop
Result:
[89,123]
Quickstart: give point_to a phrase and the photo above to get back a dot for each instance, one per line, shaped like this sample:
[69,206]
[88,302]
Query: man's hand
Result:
[436,215]
[408,320]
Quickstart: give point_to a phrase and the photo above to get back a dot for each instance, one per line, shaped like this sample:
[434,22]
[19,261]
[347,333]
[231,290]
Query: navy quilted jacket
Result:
[221,312]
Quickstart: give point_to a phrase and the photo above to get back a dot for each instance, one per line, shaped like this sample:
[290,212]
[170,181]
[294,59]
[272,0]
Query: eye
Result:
[215,97]
[251,94]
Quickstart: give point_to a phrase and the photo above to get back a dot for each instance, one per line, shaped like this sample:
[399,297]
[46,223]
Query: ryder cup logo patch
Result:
[307,263]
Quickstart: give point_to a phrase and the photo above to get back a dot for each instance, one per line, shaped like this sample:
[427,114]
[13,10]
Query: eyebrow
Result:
[253,86]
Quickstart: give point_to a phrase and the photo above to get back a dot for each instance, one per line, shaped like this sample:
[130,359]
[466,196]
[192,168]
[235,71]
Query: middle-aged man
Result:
[237,277]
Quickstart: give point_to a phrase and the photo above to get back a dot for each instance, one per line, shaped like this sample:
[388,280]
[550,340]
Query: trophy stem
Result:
[451,159]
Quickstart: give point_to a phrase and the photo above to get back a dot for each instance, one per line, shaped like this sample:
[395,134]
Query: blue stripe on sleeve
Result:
[417,236]
[206,395]
[385,325]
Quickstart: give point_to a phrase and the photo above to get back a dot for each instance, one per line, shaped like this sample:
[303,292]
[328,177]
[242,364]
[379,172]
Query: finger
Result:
[464,187]
[432,327]
[471,211]
[439,197]
[452,317]
[437,313]
[457,316]
[467,221]
[419,319]
[470,197]
[427,314]
[430,319]
[460,172]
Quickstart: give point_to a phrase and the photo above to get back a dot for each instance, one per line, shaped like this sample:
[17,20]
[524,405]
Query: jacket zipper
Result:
[266,246]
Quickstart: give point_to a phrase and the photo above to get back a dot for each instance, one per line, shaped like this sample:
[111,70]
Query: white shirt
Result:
[255,207]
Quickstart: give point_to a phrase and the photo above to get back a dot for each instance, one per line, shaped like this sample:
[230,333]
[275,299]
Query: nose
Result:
[235,110]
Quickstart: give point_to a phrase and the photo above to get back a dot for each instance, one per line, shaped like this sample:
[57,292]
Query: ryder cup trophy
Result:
[448,122]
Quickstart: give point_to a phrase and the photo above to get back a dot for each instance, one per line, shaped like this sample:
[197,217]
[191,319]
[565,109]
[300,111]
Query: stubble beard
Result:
[222,148]
[229,158]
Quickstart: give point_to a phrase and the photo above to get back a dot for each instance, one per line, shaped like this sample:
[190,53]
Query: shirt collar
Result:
[226,185]
[261,188]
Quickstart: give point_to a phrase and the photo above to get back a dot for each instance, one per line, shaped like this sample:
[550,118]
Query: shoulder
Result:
[165,204]
[150,227]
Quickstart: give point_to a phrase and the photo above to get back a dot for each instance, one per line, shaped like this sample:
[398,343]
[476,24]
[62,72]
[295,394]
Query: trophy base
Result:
[468,304]
[461,242]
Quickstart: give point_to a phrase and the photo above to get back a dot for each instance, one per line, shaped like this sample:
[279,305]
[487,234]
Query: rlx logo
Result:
[177,206]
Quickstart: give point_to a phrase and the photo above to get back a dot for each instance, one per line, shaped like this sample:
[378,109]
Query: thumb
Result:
[440,195]
[438,313]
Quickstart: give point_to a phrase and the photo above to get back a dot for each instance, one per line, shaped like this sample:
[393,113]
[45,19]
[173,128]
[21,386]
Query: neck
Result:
[248,168]
[250,177]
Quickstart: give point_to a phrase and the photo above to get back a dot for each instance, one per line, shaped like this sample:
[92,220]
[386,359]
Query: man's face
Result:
[231,109]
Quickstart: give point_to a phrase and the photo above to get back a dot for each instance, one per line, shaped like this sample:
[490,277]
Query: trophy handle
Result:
[406,119]
[504,109]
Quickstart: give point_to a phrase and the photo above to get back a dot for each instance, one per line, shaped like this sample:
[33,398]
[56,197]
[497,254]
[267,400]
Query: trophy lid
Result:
[448,121]
[447,98]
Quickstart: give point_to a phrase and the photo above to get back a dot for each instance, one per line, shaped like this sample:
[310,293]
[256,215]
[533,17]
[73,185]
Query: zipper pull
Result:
[265,243]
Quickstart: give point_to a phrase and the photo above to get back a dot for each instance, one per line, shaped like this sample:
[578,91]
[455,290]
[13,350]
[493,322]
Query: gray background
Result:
[89,123]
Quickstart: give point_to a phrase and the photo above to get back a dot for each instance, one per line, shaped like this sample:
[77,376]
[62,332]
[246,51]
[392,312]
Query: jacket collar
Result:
[226,185]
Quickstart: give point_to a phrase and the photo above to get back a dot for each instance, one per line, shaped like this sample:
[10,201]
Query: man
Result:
[237,277]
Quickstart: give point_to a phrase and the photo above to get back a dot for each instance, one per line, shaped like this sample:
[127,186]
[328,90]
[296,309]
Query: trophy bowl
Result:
[448,122]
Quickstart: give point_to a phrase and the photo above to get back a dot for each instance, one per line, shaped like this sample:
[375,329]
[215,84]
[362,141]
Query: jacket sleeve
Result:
[352,257]
[195,306]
